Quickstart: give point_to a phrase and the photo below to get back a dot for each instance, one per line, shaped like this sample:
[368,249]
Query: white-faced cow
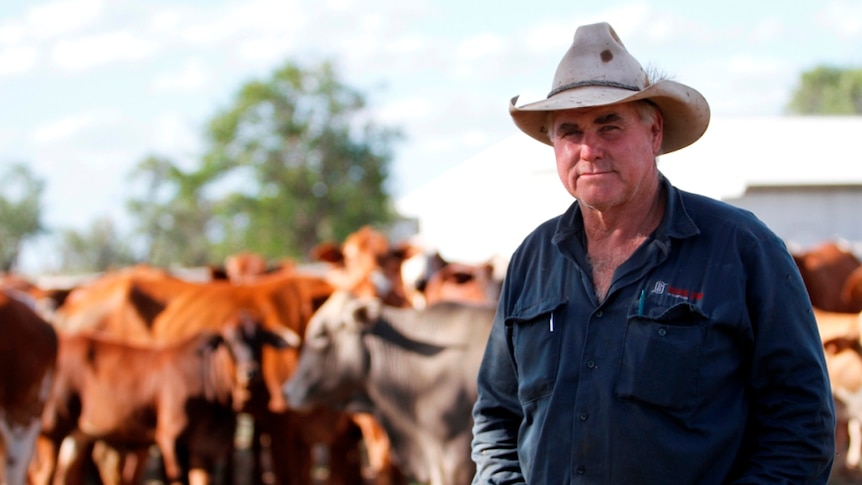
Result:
[28,350]
[416,369]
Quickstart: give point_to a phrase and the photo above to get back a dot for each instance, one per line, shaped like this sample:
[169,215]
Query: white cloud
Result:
[173,134]
[405,109]
[408,44]
[265,49]
[69,127]
[340,4]
[94,50]
[166,22]
[54,19]
[242,20]
[844,17]
[11,33]
[17,59]
[768,29]
[479,46]
[191,77]
[743,65]
[475,138]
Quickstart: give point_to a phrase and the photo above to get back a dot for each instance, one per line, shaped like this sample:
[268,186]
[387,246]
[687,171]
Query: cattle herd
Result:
[142,374]
[356,369]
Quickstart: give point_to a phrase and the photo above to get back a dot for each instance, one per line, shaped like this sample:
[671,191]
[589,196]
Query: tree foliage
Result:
[309,163]
[100,248]
[827,90]
[20,212]
[172,214]
[294,160]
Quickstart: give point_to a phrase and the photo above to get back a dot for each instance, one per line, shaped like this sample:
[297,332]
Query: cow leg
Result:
[170,459]
[72,459]
[377,449]
[3,479]
[291,454]
[345,457]
[854,448]
[199,476]
[19,443]
[43,461]
[108,461]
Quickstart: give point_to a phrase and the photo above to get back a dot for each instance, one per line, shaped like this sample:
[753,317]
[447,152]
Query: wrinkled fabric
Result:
[702,366]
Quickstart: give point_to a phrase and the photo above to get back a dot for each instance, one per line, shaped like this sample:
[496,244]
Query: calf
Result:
[28,351]
[181,396]
[416,368]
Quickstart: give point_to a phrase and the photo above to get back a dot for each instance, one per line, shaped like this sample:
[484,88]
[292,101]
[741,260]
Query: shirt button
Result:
[591,364]
[581,470]
[662,332]
[599,314]
[583,416]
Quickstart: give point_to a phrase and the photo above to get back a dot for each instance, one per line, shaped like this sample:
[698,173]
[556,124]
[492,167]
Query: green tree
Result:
[20,212]
[173,214]
[100,248]
[827,90]
[304,159]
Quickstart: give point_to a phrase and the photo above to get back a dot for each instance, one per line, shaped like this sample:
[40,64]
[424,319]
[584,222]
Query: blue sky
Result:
[91,87]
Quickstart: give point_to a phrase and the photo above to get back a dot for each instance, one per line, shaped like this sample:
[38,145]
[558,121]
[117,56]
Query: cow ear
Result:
[366,311]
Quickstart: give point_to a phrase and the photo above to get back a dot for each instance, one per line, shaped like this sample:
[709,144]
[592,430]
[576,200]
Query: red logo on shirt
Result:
[661,287]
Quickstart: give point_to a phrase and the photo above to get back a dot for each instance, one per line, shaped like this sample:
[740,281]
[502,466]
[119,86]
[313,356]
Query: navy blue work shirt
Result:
[702,366]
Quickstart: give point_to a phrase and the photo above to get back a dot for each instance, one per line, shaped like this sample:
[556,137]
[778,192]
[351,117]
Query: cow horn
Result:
[290,337]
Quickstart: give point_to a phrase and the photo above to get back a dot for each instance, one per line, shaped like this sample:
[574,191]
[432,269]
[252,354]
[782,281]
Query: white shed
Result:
[801,175]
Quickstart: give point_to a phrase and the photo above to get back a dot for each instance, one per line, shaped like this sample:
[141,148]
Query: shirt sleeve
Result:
[497,413]
[792,415]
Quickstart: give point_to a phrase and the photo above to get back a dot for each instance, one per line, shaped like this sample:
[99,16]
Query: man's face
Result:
[606,155]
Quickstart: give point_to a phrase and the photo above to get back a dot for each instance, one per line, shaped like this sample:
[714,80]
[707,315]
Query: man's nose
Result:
[591,147]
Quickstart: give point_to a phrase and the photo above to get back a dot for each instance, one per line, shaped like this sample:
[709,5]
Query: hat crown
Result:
[597,57]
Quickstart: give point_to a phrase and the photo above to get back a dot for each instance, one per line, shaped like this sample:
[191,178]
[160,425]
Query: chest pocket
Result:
[536,344]
[661,358]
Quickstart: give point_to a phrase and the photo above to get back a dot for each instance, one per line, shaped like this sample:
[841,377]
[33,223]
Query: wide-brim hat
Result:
[597,70]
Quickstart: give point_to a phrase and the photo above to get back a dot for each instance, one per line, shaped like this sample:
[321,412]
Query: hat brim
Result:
[684,110]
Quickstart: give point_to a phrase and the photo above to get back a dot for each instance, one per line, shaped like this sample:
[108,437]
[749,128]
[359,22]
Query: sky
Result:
[89,88]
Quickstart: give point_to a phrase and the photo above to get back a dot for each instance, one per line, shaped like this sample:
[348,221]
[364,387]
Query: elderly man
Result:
[646,335]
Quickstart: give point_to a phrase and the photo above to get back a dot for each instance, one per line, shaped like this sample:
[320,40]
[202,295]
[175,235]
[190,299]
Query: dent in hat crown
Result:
[597,57]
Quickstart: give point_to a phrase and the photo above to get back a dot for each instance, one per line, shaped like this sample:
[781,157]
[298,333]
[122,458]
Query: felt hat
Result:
[597,70]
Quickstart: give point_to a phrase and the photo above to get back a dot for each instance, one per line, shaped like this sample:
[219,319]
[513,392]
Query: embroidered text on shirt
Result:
[662,287]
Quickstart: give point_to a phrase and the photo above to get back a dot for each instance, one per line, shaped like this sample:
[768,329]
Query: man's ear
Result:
[657,130]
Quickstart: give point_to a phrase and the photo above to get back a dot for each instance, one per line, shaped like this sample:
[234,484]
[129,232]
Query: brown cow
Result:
[284,300]
[121,303]
[28,351]
[46,300]
[462,282]
[851,293]
[824,270]
[181,396]
[366,264]
[143,304]
[841,334]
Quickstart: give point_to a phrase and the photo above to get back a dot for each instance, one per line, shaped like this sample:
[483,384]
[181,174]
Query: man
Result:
[647,335]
